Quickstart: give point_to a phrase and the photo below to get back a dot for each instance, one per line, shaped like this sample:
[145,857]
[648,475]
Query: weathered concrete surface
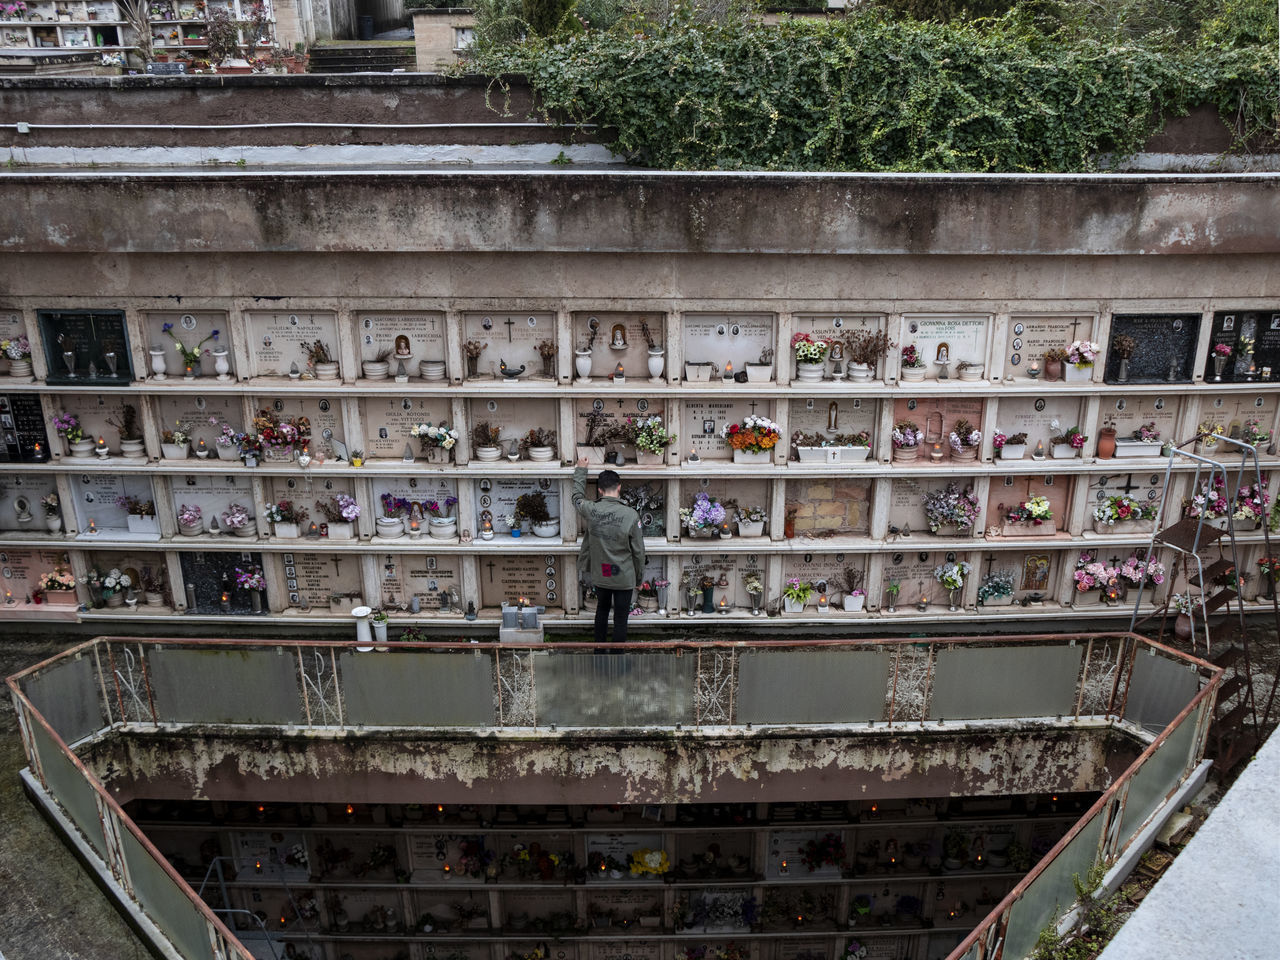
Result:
[628,767]
[50,909]
[637,213]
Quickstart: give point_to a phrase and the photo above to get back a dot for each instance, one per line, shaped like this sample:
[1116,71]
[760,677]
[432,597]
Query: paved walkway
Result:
[49,909]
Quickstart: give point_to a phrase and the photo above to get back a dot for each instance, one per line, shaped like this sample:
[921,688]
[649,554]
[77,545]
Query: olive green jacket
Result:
[613,545]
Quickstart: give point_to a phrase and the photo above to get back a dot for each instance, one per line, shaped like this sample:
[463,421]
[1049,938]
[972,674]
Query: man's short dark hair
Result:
[607,480]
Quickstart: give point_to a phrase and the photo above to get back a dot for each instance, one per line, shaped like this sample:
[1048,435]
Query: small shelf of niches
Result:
[762,875]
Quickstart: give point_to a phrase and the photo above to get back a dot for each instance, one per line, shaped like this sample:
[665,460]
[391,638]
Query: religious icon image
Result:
[618,340]
[402,347]
[1035,572]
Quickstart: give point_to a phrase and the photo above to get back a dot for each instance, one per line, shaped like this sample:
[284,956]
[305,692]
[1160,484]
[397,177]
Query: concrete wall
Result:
[434,36]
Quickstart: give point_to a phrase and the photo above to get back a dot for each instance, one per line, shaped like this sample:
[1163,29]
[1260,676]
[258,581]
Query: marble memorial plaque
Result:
[1145,486]
[307,494]
[795,948]
[1008,492]
[513,417]
[193,328]
[96,495]
[1230,411]
[325,414]
[826,568]
[619,339]
[1166,347]
[511,337]
[81,345]
[20,571]
[429,577]
[202,416]
[22,428]
[1030,336]
[214,572]
[608,414]
[1128,413]
[744,493]
[215,494]
[950,339]
[498,500]
[310,578]
[379,331]
[277,340]
[627,950]
[937,417]
[536,577]
[830,418]
[906,505]
[724,338]
[911,564]
[727,570]
[831,506]
[704,419]
[1255,337]
[785,856]
[30,488]
[261,853]
[1040,418]
[388,420]
[131,562]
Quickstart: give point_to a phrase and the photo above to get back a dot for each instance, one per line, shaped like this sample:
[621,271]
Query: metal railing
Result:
[111,685]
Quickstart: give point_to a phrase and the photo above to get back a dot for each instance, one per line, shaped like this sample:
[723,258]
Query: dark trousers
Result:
[620,601]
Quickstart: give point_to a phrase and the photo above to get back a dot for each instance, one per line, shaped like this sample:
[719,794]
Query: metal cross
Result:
[511,323]
[491,566]
[1075,324]
[1129,485]
[990,558]
[753,407]
[337,567]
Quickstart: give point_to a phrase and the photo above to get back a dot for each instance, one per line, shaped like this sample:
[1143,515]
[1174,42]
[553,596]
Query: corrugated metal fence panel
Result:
[165,902]
[67,696]
[812,686]
[417,689]
[986,682]
[615,690]
[1157,778]
[1051,892]
[1158,691]
[225,686]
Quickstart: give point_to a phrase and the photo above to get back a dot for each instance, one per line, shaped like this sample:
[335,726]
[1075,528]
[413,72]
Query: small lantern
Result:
[823,605]
[619,376]
[415,528]
[486,529]
[8,598]
[202,449]
[1033,371]
[351,812]
[1038,453]
[102,449]
[923,603]
[440,812]
[783,869]
[38,453]
[935,453]
[257,866]
[725,531]
[189,374]
[446,872]
[693,457]
[93,527]
[728,370]
[724,605]
[313,530]
[226,602]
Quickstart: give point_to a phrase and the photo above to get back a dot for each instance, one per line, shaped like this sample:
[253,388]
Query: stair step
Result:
[1219,599]
[1182,535]
[1229,688]
[1227,657]
[1232,719]
[1215,569]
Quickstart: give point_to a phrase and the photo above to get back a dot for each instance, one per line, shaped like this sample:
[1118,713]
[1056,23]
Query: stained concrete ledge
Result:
[1221,895]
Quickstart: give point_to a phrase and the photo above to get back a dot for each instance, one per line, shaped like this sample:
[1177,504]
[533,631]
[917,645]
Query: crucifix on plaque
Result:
[753,407]
[990,558]
[337,567]
[1075,325]
[491,566]
[1129,485]
[510,324]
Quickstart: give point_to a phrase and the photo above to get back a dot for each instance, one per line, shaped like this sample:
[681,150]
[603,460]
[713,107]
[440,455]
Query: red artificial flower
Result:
[734,429]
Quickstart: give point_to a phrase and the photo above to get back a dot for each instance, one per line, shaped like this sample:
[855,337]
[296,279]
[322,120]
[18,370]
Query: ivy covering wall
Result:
[869,92]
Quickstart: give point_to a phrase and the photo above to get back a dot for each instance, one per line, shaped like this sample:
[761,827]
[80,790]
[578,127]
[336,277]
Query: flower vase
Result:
[952,597]
[1122,374]
[964,453]
[54,524]
[1219,364]
[1183,628]
[255,601]
[116,599]
[442,528]
[1075,374]
[582,364]
[1106,443]
[691,599]
[221,366]
[911,374]
[709,600]
[549,366]
[1052,370]
[657,362]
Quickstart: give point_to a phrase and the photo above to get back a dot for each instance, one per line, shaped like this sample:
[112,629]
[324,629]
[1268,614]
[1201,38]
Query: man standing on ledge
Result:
[613,547]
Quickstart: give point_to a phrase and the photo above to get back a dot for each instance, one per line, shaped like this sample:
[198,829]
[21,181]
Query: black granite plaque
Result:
[1166,347]
[211,574]
[165,69]
[82,345]
[1254,339]
[21,428]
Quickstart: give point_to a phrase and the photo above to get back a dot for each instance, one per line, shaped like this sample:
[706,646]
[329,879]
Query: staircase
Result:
[1208,559]
[366,57]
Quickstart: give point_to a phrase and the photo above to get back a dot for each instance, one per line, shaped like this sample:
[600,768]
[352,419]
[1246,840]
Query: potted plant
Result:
[1136,567]
[538,445]
[533,507]
[891,591]
[18,351]
[754,585]
[751,521]
[1053,361]
[1067,445]
[955,849]
[907,438]
[175,443]
[1032,517]
[190,520]
[1252,432]
[379,368]
[152,587]
[811,357]
[68,425]
[58,589]
[239,521]
[964,441]
[141,515]
[115,587]
[854,596]
[651,440]
[1144,442]
[796,594]
[1079,361]
[970,370]
[1092,574]
[437,442]
[486,442]
[440,524]
[1268,573]
[320,360]
[190,355]
[251,579]
[951,575]
[130,431]
[761,370]
[1115,509]
[393,523]
[1123,346]
[812,448]
[1190,608]
[340,512]
[752,440]
[951,507]
[52,512]
[379,621]
[996,588]
[866,349]
[852,447]
[1220,353]
[704,517]
[1009,447]
[286,519]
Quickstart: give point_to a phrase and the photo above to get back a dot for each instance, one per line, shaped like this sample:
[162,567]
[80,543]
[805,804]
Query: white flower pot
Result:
[549,529]
[593,454]
[763,458]
[431,369]
[133,449]
[248,531]
[1073,374]
[175,451]
[226,451]
[82,449]
[812,454]
[221,365]
[750,528]
[646,459]
[759,372]
[375,369]
[911,374]
[852,454]
[971,372]
[287,531]
[1128,447]
[906,454]
[541,454]
[697,372]
[442,528]
[964,453]
[1064,451]
[144,525]
[54,524]
[341,530]
[158,369]
[1013,451]
[327,371]
[582,364]
[657,363]
[191,530]
[792,606]
[810,372]
[860,372]
[20,370]
[853,604]
[390,528]
[488,454]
